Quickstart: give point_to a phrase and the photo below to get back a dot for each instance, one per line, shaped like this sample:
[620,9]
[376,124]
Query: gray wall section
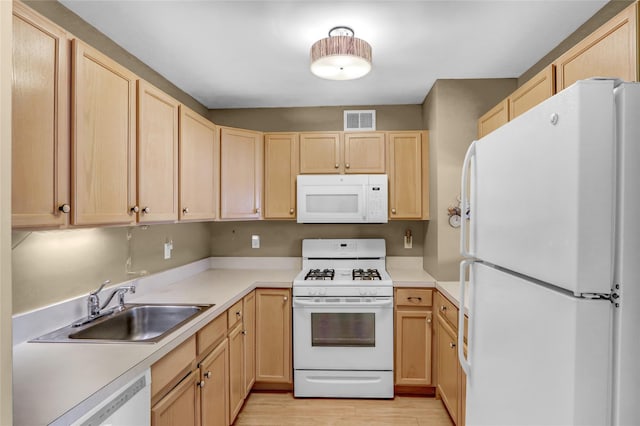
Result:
[71,22]
[285,238]
[451,111]
[50,266]
[388,117]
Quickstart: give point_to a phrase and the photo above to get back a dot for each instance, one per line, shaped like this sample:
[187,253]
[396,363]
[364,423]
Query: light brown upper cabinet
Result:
[157,155]
[408,164]
[320,153]
[103,142]
[494,118]
[40,121]
[337,152]
[534,91]
[610,51]
[241,162]
[199,166]
[281,166]
[364,152]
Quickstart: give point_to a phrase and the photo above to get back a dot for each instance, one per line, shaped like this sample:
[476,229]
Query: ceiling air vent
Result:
[360,120]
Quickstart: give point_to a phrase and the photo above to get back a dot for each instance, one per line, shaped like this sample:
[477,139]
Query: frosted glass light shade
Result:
[340,58]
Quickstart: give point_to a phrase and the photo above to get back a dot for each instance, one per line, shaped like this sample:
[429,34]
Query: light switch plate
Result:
[255,241]
[408,242]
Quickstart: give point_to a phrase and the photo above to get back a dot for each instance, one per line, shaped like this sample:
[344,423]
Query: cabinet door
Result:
[364,152]
[240,173]
[610,51]
[447,367]
[214,393]
[103,139]
[413,347]
[40,121]
[494,118]
[236,372]
[281,166]
[249,335]
[321,153]
[534,91]
[199,164]
[273,335]
[405,175]
[180,406]
[157,155]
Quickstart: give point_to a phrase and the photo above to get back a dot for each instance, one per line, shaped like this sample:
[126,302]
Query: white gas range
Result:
[343,320]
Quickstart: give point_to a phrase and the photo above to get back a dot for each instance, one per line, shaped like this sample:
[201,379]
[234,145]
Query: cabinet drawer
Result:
[414,297]
[211,333]
[169,370]
[234,314]
[447,310]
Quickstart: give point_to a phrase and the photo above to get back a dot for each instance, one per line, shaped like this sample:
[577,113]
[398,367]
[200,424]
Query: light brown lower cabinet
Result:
[214,385]
[413,336]
[273,338]
[447,370]
[180,406]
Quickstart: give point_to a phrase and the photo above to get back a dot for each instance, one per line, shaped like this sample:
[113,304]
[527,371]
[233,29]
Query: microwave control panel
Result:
[377,202]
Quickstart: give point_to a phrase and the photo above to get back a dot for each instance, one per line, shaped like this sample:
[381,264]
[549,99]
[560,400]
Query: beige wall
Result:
[388,117]
[285,238]
[50,266]
[5,214]
[451,112]
[71,22]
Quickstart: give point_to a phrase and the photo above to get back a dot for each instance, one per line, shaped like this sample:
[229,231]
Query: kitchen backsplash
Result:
[52,266]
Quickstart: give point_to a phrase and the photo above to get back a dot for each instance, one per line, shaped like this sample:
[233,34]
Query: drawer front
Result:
[234,314]
[169,370]
[211,333]
[447,310]
[414,297]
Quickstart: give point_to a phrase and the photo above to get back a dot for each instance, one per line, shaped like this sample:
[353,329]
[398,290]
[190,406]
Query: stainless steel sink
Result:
[136,323]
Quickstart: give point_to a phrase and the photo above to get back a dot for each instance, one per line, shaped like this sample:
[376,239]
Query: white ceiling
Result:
[243,54]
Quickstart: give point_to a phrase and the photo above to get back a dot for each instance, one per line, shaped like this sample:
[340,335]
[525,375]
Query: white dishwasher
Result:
[129,406]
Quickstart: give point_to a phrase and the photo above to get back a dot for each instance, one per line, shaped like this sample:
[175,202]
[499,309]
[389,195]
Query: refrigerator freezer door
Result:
[537,356]
[542,198]
[627,276]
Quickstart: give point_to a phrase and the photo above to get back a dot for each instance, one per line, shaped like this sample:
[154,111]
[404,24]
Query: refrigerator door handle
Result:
[464,201]
[464,362]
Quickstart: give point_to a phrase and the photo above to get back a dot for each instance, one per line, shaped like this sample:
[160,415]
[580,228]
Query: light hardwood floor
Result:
[270,409]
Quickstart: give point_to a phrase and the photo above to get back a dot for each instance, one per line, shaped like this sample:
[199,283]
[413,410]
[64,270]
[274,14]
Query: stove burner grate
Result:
[320,274]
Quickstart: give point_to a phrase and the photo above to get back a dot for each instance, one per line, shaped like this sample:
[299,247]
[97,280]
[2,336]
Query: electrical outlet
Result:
[168,246]
[408,242]
[255,241]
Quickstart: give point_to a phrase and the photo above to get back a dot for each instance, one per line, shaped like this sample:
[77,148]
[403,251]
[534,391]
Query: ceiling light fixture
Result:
[341,56]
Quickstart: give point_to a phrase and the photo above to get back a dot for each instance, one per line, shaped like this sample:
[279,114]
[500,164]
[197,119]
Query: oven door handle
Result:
[311,303]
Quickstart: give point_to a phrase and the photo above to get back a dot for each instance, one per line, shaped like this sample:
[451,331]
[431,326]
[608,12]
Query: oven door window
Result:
[343,329]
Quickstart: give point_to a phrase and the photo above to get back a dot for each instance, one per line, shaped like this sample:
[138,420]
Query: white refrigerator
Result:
[552,255]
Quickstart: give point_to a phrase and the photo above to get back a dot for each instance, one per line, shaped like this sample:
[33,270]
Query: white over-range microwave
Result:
[342,199]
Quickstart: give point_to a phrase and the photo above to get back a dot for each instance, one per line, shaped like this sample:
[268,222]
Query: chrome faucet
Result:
[94,309]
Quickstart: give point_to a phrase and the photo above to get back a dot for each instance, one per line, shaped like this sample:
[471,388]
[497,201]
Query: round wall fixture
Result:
[341,56]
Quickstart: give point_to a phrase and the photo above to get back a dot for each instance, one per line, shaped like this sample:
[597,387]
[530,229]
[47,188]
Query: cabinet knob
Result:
[146,210]
[429,320]
[347,165]
[285,298]
[238,314]
[257,210]
[443,308]
[337,166]
[185,210]
[291,211]
[65,208]
[452,345]
[201,384]
[207,374]
[244,332]
[135,209]
[393,211]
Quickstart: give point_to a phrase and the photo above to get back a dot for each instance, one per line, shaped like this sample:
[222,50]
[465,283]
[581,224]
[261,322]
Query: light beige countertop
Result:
[59,382]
